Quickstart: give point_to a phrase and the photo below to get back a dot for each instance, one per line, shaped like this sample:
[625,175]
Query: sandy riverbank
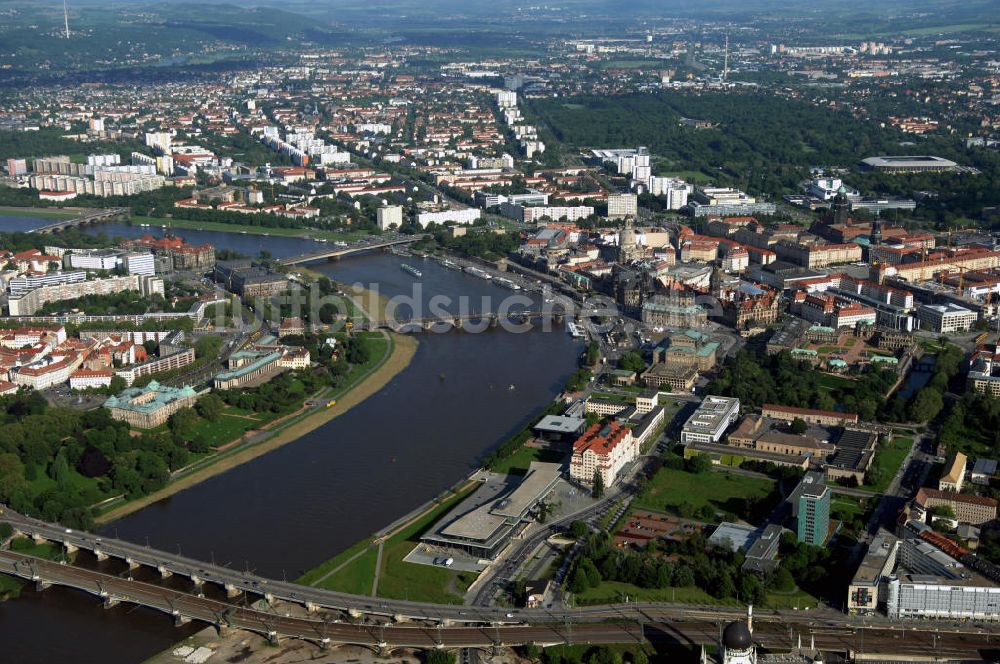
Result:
[404,348]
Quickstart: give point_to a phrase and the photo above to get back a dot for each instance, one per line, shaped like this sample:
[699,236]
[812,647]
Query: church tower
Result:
[628,249]
[841,207]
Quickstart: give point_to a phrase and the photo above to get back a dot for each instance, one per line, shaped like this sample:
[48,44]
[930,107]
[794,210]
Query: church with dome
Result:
[736,646]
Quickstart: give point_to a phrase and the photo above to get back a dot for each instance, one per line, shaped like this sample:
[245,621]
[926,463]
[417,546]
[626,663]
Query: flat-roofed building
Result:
[708,424]
[868,590]
[810,503]
[946,318]
[483,524]
[909,164]
[559,427]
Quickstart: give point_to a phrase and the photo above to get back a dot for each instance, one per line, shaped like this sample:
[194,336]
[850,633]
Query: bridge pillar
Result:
[110,602]
[131,563]
[231,590]
[269,598]
[197,581]
[180,620]
[494,320]
[311,607]
[272,637]
[457,323]
[100,555]
[164,572]
[354,613]
[400,618]
[70,548]
[324,643]
[38,539]
[427,325]
[41,585]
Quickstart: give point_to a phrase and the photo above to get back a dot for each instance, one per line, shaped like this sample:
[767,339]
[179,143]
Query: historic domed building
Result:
[736,647]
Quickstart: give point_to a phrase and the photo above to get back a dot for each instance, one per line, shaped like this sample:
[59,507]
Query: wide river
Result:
[296,506]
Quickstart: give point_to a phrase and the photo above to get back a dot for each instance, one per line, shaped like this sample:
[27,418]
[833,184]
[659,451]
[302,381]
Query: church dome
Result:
[737,636]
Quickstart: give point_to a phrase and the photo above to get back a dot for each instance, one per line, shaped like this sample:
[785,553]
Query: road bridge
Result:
[85,219]
[339,251]
[457,321]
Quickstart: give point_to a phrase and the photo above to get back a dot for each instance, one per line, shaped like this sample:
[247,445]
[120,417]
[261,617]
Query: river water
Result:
[287,511]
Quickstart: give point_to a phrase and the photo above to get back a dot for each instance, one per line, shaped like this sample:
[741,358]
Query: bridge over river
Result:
[330,617]
[85,219]
[367,244]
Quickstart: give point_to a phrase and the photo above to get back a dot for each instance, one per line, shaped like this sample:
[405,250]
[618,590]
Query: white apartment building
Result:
[675,191]
[461,217]
[389,216]
[622,205]
[708,424]
[31,301]
[20,285]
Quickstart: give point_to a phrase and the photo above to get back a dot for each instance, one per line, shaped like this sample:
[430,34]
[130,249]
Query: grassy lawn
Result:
[846,508]
[229,426]
[28,547]
[743,496]
[830,382]
[399,580]
[826,350]
[425,583]
[614,591]
[518,462]
[249,228]
[888,458]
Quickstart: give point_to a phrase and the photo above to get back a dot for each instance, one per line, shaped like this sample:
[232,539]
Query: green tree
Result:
[926,405]
[578,582]
[210,406]
[799,426]
[598,490]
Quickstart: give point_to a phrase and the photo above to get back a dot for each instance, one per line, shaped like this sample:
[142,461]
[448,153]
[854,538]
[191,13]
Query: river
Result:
[287,511]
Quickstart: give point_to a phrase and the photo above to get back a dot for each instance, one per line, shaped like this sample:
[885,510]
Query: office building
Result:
[250,280]
[708,424]
[946,318]
[811,509]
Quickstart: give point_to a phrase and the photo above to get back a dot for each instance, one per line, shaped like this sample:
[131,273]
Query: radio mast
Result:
[66,18]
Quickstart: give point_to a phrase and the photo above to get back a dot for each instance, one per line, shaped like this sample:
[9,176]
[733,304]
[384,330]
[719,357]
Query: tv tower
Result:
[725,62]
[66,18]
